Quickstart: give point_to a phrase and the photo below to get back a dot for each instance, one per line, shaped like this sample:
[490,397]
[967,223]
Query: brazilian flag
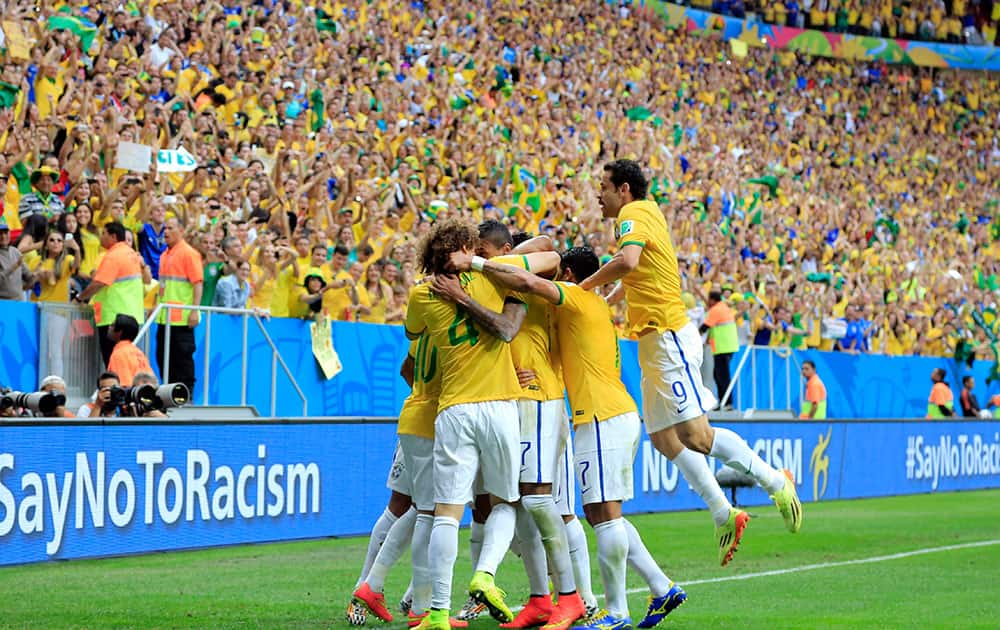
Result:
[641,113]
[984,282]
[459,103]
[986,320]
[84,29]
[699,211]
[8,95]
[434,208]
[317,109]
[660,190]
[994,374]
[767,180]
[756,210]
[726,227]
[889,224]
[324,23]
[527,190]
[964,352]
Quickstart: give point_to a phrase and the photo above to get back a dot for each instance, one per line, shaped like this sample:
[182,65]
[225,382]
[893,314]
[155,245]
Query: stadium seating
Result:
[834,189]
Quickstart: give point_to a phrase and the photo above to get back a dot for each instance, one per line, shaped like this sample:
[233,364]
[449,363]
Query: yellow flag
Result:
[17,44]
[739,48]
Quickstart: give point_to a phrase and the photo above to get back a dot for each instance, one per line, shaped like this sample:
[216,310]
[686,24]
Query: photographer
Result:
[56,385]
[146,378]
[127,360]
[104,406]
[50,402]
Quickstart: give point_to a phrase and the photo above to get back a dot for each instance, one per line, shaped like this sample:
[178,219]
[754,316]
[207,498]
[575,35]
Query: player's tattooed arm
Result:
[524,281]
[515,278]
[504,325]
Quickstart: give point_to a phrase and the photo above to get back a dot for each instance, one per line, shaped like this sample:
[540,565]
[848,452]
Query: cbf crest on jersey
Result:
[623,229]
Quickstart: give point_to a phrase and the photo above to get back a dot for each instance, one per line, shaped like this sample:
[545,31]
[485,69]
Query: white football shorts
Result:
[604,455]
[672,389]
[418,457]
[474,436]
[564,487]
[543,429]
[399,478]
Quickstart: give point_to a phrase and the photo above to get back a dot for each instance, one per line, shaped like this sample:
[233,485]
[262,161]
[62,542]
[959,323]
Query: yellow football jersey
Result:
[420,407]
[336,302]
[591,359]
[475,366]
[653,288]
[532,348]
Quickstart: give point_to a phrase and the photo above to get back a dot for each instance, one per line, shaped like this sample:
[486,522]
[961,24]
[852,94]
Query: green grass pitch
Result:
[308,584]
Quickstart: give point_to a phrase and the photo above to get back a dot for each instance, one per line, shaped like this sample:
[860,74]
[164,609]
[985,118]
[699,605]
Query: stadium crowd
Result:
[833,204]
[953,21]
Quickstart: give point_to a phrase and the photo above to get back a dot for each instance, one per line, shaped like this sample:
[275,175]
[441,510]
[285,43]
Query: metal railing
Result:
[206,372]
[68,347]
[786,358]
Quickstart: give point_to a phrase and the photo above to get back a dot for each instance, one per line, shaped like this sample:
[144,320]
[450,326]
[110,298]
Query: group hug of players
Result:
[494,345]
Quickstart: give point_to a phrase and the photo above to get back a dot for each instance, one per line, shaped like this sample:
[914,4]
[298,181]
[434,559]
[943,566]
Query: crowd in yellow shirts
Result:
[329,136]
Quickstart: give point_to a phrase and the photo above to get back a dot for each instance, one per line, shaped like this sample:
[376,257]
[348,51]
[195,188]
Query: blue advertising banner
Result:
[842,460]
[72,491]
[79,491]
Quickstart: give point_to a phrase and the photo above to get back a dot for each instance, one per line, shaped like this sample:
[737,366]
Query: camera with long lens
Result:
[39,403]
[139,400]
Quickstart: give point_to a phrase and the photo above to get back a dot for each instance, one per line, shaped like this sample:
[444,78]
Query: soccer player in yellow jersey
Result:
[415,465]
[477,427]
[607,427]
[541,531]
[675,401]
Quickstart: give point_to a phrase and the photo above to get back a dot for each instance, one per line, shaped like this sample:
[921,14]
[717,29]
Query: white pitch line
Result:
[821,565]
[829,565]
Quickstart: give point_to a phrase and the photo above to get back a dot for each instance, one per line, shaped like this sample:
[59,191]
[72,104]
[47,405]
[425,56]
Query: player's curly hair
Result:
[443,239]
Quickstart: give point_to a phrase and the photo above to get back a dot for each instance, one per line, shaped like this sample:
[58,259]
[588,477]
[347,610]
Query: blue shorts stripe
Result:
[600,458]
[538,441]
[566,473]
[687,368]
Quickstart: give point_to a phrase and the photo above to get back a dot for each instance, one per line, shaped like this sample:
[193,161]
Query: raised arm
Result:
[621,264]
[517,279]
[537,244]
